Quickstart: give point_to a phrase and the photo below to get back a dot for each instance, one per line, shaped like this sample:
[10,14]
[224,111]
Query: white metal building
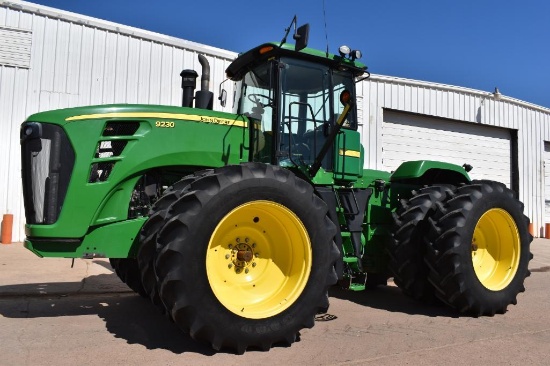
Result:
[53,59]
[503,138]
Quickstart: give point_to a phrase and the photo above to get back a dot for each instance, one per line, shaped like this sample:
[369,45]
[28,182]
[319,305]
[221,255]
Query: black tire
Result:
[148,235]
[216,232]
[478,249]
[406,248]
[127,270]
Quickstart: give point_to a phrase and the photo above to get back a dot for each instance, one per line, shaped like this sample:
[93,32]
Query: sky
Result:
[479,44]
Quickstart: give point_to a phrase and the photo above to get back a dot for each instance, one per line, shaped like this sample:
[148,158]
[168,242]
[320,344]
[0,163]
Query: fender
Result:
[427,171]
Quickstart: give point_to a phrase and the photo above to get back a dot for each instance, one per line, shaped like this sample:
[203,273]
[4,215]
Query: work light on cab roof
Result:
[353,55]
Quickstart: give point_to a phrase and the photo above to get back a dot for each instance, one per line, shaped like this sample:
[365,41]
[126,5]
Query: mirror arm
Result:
[287,30]
[330,139]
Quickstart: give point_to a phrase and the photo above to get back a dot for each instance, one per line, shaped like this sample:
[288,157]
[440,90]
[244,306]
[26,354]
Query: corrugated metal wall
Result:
[75,61]
[466,105]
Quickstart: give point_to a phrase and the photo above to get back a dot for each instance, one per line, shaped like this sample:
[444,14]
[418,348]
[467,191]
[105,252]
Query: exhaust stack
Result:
[204,98]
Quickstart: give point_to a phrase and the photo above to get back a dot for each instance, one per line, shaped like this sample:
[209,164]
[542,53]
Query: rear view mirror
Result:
[223,97]
[223,94]
[301,37]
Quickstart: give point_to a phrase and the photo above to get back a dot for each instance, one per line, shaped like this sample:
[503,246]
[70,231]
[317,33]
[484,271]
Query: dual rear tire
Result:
[478,249]
[407,249]
[466,246]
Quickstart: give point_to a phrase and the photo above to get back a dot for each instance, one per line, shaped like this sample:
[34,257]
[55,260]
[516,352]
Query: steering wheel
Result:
[255,98]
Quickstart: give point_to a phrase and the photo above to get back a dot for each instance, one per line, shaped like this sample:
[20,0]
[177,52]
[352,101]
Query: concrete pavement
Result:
[25,274]
[51,314]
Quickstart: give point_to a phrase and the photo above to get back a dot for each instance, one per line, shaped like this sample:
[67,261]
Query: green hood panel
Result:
[161,136]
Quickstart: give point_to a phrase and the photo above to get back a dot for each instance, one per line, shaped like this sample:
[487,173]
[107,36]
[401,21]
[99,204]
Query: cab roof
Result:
[258,55]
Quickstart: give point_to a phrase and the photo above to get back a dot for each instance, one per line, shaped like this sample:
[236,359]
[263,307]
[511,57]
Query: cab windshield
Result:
[307,94]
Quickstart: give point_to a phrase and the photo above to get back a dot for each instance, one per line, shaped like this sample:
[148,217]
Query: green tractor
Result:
[237,224]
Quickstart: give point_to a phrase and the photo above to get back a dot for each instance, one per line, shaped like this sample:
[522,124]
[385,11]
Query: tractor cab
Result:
[295,97]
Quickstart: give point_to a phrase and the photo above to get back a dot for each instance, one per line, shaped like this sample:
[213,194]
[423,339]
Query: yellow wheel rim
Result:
[259,259]
[496,249]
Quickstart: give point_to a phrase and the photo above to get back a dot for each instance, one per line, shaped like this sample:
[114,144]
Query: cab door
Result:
[348,155]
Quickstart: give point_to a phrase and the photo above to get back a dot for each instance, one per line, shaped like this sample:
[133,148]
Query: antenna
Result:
[325,19]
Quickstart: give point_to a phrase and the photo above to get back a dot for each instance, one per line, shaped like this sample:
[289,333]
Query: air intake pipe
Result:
[204,98]
[188,82]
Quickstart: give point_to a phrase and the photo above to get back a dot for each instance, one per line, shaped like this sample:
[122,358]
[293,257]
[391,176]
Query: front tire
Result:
[478,249]
[149,232]
[246,257]
[128,271]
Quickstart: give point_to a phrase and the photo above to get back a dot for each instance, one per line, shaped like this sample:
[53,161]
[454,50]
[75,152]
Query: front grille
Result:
[47,161]
[126,128]
[107,149]
[100,172]
[110,147]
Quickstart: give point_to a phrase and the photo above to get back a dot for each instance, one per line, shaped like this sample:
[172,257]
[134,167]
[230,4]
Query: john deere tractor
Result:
[236,224]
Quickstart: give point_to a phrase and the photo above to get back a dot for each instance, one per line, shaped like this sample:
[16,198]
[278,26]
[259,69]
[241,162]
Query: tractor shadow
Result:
[126,315]
[391,298]
[137,321]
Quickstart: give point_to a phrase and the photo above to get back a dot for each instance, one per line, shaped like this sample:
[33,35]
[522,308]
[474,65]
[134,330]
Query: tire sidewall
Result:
[492,199]
[214,208]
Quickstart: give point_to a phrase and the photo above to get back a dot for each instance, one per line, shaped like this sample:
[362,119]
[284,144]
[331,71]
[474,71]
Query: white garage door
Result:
[547,181]
[412,137]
